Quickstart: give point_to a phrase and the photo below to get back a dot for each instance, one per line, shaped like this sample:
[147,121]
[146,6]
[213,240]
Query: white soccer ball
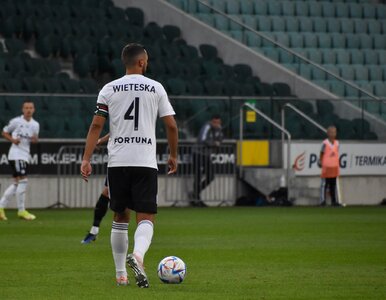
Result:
[171,270]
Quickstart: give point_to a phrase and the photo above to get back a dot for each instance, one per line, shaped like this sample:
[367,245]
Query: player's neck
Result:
[331,140]
[133,72]
[27,118]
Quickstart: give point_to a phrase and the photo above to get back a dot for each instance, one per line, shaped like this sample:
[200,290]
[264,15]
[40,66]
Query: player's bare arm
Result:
[103,140]
[91,142]
[172,135]
[34,139]
[9,137]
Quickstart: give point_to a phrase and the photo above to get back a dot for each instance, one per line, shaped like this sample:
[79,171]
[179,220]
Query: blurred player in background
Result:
[101,206]
[132,103]
[21,132]
[329,160]
[209,140]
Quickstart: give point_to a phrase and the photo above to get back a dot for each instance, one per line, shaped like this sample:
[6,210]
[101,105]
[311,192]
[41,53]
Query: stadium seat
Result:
[315,55]
[208,52]
[373,26]
[338,40]
[379,41]
[288,8]
[328,56]
[341,10]
[264,23]
[328,10]
[261,8]
[292,24]
[319,24]
[357,57]
[368,11]
[301,9]
[246,7]
[315,9]
[305,24]
[333,25]
[310,40]
[278,23]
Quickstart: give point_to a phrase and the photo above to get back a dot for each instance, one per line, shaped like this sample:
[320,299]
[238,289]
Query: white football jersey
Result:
[24,130]
[132,104]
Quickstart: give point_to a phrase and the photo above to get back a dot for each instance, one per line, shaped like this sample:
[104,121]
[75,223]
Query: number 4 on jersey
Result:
[128,116]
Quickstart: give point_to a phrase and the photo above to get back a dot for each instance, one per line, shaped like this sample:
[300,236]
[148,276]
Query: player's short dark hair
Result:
[28,101]
[130,53]
[215,117]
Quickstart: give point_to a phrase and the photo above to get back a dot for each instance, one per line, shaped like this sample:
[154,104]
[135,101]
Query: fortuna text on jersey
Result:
[132,140]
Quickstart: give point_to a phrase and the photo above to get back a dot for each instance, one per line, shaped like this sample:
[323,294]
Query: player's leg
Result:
[100,211]
[119,196]
[9,192]
[21,191]
[333,192]
[322,201]
[144,202]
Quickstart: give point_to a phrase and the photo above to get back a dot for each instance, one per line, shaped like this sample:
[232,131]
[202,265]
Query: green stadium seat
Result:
[278,23]
[371,57]
[171,32]
[361,72]
[379,41]
[271,53]
[296,40]
[347,25]
[381,12]
[366,41]
[282,38]
[88,86]
[32,84]
[382,57]
[264,23]
[135,16]
[274,8]
[360,26]
[281,89]
[288,8]
[213,87]
[301,9]
[353,41]
[324,40]
[355,10]
[380,88]
[250,20]
[252,39]
[373,26]
[342,57]
[264,89]
[310,40]
[333,25]
[208,52]
[52,85]
[323,84]
[315,55]
[384,27]
[286,57]
[341,10]
[194,88]
[70,85]
[221,22]
[347,72]
[366,86]
[328,56]
[176,86]
[328,10]
[305,71]
[232,7]
[292,24]
[368,11]
[324,107]
[246,7]
[318,74]
[337,88]
[315,9]
[357,57]
[319,24]
[261,8]
[305,24]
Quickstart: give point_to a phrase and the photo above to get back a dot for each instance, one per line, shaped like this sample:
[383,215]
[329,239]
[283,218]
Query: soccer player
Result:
[21,132]
[131,103]
[329,160]
[101,206]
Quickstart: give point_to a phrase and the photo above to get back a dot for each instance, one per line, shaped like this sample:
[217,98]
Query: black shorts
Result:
[19,168]
[134,188]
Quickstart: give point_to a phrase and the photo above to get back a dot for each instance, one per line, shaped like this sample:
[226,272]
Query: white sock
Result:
[8,193]
[20,194]
[94,230]
[142,239]
[119,245]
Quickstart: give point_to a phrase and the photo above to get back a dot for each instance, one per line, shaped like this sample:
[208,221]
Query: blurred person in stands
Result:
[329,161]
[209,142]
[21,132]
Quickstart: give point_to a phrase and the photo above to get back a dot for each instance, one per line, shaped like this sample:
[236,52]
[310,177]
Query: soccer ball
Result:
[171,270]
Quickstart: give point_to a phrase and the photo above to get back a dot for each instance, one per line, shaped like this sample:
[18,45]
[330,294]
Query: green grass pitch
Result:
[231,253]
